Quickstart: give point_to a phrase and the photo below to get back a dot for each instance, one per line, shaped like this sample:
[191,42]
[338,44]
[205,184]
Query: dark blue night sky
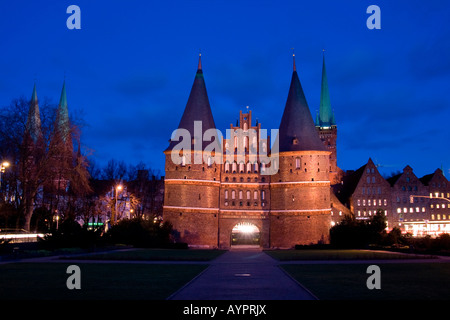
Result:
[130,68]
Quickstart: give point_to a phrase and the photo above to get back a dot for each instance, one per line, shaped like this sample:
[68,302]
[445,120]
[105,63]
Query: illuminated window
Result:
[359,213]
[432,217]
[411,210]
[417,209]
[399,210]
[359,202]
[364,202]
[439,217]
[385,202]
[379,202]
[423,209]
[405,210]
[369,202]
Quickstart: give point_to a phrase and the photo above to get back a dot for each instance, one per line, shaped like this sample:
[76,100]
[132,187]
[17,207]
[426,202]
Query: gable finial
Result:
[199,59]
[293,58]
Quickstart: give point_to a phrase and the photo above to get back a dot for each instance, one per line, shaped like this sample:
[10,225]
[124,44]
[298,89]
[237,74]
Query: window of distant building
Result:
[226,194]
[263,195]
[240,194]
[248,194]
[255,195]
[233,194]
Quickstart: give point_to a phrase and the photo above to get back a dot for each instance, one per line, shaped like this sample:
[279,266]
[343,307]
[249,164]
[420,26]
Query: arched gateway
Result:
[245,233]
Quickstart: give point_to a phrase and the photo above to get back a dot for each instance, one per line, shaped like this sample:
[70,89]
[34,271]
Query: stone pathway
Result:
[247,274]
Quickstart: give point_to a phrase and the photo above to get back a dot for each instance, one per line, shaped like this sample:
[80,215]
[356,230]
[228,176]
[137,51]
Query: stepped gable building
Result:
[415,205]
[221,203]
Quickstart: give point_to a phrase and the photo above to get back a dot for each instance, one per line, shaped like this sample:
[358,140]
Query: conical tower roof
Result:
[297,131]
[197,109]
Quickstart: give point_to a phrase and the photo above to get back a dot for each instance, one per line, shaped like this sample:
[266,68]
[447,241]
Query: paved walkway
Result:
[247,274]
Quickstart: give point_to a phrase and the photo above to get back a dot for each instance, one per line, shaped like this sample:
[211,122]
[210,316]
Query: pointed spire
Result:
[325,113]
[33,125]
[293,61]
[199,62]
[62,116]
[197,109]
[297,131]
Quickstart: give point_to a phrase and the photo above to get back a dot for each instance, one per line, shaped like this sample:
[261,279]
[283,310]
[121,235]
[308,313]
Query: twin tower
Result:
[246,187]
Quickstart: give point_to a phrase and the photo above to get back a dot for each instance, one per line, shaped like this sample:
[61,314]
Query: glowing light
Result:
[245,227]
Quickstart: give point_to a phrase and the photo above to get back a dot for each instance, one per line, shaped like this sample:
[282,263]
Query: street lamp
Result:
[3,166]
[116,190]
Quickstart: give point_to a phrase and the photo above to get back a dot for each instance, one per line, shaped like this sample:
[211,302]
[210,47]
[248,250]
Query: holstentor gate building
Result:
[284,202]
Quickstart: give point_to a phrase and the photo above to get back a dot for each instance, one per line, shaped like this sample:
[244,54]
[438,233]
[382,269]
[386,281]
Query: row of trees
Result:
[48,178]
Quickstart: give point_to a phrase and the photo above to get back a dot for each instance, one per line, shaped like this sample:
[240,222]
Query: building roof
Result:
[326,116]
[33,125]
[197,109]
[62,115]
[297,131]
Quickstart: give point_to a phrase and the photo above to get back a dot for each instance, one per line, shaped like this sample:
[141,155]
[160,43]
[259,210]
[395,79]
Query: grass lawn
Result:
[412,281]
[156,255]
[284,255]
[98,281]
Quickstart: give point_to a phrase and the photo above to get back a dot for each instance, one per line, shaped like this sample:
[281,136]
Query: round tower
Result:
[192,177]
[300,190]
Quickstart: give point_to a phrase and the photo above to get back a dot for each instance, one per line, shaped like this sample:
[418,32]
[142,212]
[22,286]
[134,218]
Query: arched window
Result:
[233,194]
[241,167]
[255,167]
[255,195]
[249,167]
[240,194]
[226,194]
[248,194]
[234,167]
[227,166]
[263,195]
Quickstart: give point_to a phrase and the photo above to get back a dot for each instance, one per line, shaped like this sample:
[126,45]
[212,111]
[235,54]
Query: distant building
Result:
[416,206]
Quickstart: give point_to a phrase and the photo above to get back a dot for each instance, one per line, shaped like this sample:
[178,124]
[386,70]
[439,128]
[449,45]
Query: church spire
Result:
[326,115]
[33,125]
[62,125]
[297,131]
